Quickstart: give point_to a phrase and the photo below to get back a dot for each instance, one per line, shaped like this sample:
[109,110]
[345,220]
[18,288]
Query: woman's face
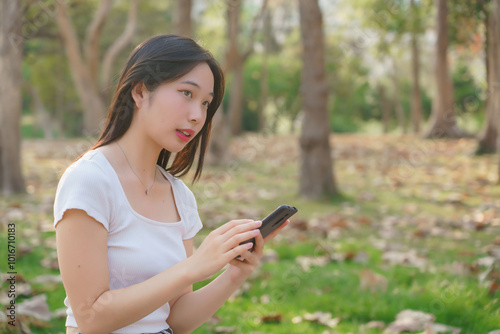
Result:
[175,112]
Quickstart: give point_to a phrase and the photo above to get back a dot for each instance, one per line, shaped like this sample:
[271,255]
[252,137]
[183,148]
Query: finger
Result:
[259,246]
[248,229]
[247,258]
[239,263]
[237,251]
[251,258]
[276,231]
[241,237]
[233,223]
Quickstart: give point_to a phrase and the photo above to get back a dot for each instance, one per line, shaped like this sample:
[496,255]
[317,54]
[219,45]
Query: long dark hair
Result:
[158,60]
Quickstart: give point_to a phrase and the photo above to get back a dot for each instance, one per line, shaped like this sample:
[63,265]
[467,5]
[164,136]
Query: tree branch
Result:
[68,34]
[118,45]
[253,31]
[91,45]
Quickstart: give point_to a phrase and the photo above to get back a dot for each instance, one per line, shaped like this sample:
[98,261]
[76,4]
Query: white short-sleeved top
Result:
[138,247]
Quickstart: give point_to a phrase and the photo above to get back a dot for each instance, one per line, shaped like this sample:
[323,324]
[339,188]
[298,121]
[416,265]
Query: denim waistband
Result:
[163,331]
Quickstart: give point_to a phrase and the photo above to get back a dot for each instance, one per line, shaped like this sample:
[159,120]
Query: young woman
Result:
[125,223]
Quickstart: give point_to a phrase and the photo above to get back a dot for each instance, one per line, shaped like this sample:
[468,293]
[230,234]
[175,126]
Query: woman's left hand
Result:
[240,269]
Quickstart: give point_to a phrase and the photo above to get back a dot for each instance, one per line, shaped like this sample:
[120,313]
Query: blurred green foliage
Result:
[360,36]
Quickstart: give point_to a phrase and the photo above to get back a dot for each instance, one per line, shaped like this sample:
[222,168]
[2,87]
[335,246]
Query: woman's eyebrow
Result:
[195,84]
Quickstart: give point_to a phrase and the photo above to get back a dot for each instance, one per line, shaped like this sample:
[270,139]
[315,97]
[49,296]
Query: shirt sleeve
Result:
[193,223]
[84,186]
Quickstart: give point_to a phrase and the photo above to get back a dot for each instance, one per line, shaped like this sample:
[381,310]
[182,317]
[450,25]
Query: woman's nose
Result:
[197,114]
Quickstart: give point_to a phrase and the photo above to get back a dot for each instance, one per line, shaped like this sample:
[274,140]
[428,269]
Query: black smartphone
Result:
[274,220]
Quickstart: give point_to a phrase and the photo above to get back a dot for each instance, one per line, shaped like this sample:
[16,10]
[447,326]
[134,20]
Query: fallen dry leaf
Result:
[370,280]
[23,289]
[373,325]
[459,268]
[306,262]
[60,313]
[265,299]
[225,329]
[409,258]
[47,279]
[495,252]
[270,256]
[497,241]
[50,262]
[410,321]
[493,288]
[14,214]
[323,318]
[273,318]
[24,249]
[440,328]
[486,261]
[36,307]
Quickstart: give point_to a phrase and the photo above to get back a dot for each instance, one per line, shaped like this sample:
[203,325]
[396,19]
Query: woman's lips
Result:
[184,134]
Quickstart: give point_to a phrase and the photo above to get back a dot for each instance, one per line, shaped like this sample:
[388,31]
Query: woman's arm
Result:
[193,309]
[82,255]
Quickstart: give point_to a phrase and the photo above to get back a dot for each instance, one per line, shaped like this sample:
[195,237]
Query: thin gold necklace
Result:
[154,179]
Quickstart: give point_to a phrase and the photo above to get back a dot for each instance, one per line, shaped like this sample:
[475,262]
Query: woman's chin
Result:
[175,148]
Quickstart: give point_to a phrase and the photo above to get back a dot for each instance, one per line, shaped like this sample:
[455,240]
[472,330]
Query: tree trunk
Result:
[264,73]
[416,102]
[218,149]
[235,107]
[42,116]
[11,54]
[443,122]
[182,20]
[92,103]
[398,104]
[400,114]
[488,136]
[496,79]
[316,175]
[236,58]
[234,64]
[385,106]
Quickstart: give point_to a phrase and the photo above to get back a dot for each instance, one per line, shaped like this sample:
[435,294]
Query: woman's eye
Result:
[206,104]
[187,93]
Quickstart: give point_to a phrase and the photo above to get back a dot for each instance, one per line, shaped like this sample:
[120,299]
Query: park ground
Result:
[416,227]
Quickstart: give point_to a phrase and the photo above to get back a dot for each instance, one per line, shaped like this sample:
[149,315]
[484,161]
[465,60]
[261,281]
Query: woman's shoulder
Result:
[86,185]
[90,167]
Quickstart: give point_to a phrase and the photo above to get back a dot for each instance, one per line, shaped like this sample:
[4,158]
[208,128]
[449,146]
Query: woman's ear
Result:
[139,92]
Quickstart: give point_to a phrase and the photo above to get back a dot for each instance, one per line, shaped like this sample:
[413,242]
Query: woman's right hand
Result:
[221,246]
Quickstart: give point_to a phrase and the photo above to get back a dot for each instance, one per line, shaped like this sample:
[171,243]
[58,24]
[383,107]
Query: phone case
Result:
[274,220]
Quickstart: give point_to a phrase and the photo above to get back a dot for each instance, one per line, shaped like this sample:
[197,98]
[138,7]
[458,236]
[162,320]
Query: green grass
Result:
[335,289]
[252,187]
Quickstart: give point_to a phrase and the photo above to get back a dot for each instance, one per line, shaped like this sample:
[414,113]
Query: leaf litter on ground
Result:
[424,174]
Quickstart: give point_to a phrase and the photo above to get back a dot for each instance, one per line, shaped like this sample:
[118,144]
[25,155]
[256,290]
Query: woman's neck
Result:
[141,153]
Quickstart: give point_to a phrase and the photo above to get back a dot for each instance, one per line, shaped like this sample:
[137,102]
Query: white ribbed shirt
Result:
[138,247]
